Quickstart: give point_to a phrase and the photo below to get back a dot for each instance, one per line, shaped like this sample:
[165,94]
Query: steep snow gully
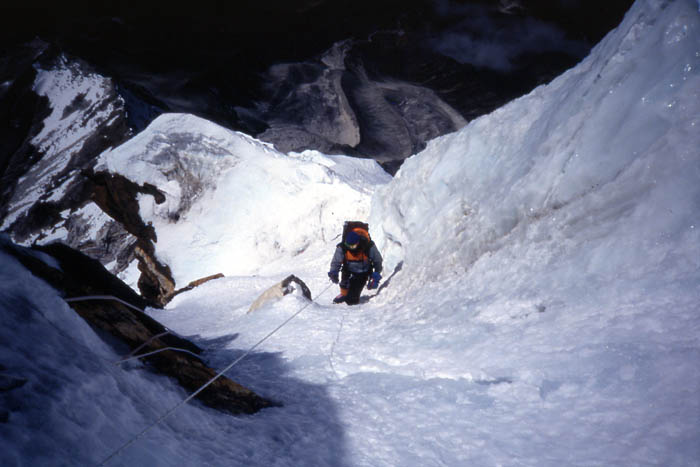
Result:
[543,311]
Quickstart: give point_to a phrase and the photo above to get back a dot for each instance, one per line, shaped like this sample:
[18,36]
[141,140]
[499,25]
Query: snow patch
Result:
[130,276]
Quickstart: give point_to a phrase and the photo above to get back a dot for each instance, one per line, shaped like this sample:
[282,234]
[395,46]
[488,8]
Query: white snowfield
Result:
[541,306]
[235,204]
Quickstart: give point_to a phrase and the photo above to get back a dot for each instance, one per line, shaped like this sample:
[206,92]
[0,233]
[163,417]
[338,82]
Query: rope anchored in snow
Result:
[131,354]
[204,386]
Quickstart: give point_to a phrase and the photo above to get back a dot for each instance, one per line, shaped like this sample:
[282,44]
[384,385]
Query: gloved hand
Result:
[374,281]
[333,276]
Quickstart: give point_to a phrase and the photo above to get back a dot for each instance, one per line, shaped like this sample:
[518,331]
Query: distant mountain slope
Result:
[222,62]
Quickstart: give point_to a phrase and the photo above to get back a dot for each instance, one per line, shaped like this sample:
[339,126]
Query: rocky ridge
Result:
[50,190]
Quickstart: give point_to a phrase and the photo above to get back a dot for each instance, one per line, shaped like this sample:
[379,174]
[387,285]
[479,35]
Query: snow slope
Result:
[237,202]
[545,312]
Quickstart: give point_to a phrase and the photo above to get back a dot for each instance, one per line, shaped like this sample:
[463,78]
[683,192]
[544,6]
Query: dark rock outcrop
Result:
[42,161]
[22,113]
[55,166]
[117,197]
[336,106]
[80,276]
[49,164]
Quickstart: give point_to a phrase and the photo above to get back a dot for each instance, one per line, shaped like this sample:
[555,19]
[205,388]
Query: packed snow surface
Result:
[541,301]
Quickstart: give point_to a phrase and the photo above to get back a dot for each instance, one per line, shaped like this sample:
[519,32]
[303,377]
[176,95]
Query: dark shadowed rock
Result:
[118,197]
[336,106]
[48,163]
[49,143]
[83,281]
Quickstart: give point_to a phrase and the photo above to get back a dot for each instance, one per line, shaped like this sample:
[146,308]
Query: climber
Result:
[357,259]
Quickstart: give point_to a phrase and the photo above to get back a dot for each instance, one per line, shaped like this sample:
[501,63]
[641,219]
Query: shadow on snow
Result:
[304,430]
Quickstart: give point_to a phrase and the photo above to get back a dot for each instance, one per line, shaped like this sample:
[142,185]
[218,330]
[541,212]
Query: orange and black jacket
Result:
[364,259]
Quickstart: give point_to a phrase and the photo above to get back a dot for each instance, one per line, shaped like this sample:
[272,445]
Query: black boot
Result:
[340,298]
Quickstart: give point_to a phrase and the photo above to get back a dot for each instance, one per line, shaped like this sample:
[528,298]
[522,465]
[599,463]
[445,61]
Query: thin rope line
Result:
[155,352]
[146,343]
[102,297]
[131,356]
[127,304]
[191,396]
[337,339]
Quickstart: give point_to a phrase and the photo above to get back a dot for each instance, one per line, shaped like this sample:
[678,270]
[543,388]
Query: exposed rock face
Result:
[22,112]
[80,276]
[117,197]
[85,116]
[156,282]
[335,106]
[49,189]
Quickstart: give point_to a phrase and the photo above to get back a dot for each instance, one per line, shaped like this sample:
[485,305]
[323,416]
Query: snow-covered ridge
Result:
[232,203]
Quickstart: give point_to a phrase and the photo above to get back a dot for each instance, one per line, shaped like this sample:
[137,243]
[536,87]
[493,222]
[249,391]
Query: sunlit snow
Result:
[237,203]
[541,301]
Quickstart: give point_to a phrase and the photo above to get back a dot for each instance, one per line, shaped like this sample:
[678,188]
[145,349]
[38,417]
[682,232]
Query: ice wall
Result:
[590,178]
[556,243]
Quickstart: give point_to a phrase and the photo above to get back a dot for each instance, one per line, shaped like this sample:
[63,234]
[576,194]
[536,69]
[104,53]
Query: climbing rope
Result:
[103,297]
[205,385]
[128,357]
[147,354]
[131,355]
[337,339]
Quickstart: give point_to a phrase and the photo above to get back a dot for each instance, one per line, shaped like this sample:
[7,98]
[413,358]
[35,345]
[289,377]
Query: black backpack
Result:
[365,243]
[349,225]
